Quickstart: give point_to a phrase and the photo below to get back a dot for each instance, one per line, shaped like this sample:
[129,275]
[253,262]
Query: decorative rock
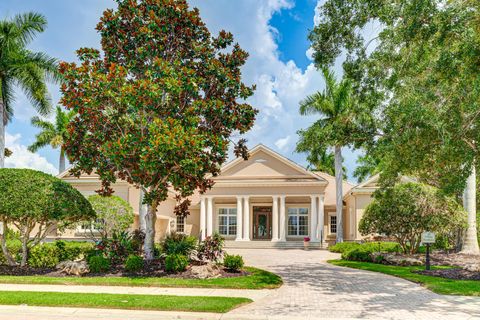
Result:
[473,267]
[76,268]
[206,271]
[401,260]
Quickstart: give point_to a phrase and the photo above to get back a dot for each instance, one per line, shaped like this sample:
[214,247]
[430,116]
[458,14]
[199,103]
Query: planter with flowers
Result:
[306,243]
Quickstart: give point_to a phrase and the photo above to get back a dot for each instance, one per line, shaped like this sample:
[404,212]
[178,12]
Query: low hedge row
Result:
[48,255]
[363,252]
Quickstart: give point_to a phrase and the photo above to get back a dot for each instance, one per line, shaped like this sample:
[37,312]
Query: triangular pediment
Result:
[265,163]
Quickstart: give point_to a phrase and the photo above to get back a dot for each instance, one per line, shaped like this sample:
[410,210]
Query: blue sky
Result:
[274,32]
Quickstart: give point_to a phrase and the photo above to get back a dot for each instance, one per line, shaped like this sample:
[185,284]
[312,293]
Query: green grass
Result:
[121,301]
[257,279]
[435,284]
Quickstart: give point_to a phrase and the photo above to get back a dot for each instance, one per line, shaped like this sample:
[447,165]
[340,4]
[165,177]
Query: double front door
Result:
[262,223]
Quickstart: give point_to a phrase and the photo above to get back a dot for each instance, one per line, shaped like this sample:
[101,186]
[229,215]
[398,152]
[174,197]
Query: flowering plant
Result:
[306,239]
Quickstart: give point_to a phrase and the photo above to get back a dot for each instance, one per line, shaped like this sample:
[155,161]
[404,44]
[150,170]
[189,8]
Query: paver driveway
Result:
[314,289]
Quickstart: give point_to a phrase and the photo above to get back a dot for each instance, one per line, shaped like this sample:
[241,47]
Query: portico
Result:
[265,198]
[275,218]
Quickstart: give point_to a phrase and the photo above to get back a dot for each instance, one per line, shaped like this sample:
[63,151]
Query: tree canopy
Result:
[23,68]
[159,105]
[407,210]
[36,203]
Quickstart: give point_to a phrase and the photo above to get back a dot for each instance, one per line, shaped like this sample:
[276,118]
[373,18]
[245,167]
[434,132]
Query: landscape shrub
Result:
[343,246]
[389,247]
[176,263]
[233,262]
[134,263]
[72,250]
[357,254]
[211,248]
[119,246]
[43,256]
[407,210]
[113,215]
[178,243]
[33,198]
[98,264]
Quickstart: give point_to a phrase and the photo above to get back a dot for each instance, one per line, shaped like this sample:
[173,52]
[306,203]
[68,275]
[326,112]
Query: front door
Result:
[262,223]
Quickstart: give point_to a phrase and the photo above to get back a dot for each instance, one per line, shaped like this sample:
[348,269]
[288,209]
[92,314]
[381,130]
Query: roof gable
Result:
[265,163]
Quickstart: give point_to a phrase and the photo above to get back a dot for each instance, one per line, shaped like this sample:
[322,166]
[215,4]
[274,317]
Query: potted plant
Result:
[306,243]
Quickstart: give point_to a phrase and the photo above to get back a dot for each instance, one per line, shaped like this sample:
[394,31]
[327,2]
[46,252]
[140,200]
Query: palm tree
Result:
[336,128]
[52,134]
[23,68]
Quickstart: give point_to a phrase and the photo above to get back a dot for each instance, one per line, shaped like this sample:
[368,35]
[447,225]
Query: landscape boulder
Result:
[73,268]
[206,271]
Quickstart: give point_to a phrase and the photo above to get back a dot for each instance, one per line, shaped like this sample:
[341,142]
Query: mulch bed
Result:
[456,274]
[151,270]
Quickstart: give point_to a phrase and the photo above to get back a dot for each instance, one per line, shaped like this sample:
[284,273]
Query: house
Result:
[265,201]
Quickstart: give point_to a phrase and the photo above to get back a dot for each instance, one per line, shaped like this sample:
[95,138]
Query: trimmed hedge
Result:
[233,262]
[48,255]
[134,263]
[176,263]
[370,246]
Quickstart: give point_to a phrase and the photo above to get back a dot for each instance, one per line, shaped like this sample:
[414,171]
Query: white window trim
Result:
[217,220]
[184,224]
[331,214]
[298,215]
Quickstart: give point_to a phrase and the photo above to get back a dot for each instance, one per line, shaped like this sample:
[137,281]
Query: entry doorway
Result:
[262,223]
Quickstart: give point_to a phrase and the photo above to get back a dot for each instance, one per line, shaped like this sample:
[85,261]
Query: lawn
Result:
[257,279]
[122,301]
[435,284]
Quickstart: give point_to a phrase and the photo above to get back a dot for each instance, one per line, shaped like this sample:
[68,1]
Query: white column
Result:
[321,218]
[239,220]
[275,218]
[246,213]
[283,236]
[209,216]
[314,219]
[203,218]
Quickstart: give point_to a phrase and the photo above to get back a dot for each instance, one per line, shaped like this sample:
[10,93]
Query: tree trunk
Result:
[150,219]
[339,191]
[61,162]
[6,253]
[24,250]
[470,241]
[142,212]
[2,133]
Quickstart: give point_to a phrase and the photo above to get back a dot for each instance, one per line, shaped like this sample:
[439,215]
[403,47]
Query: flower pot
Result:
[306,245]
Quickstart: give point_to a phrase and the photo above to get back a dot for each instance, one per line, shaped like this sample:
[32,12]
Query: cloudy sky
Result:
[274,32]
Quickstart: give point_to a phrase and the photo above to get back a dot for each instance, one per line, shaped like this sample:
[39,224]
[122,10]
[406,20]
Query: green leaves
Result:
[158,106]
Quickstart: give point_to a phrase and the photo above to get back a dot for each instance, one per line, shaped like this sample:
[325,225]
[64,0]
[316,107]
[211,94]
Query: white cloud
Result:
[22,158]
[282,143]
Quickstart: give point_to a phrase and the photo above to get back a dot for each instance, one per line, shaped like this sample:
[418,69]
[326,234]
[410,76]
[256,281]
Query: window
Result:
[297,221]
[90,226]
[333,224]
[227,221]
[180,224]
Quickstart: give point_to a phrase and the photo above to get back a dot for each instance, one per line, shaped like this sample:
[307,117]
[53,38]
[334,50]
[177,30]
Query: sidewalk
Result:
[237,293]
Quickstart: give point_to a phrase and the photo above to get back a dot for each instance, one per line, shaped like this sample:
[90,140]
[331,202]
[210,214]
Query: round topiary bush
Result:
[176,263]
[357,254]
[98,264]
[134,263]
[233,262]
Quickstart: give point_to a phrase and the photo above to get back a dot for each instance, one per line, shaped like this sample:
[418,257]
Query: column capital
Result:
[246,197]
[282,196]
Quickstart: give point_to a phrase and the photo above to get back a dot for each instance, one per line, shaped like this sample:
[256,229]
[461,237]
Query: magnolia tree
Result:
[158,106]
[113,214]
[408,209]
[35,204]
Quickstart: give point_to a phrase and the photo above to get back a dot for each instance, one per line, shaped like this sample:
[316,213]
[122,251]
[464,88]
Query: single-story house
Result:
[265,201]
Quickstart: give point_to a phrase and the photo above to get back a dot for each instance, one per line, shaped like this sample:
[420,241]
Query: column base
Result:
[242,239]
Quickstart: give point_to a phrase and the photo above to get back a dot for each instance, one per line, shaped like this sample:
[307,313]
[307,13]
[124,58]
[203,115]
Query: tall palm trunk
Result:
[61,162]
[470,242]
[339,191]
[2,133]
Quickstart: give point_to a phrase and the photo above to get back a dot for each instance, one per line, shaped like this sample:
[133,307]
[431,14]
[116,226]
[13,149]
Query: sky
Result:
[274,32]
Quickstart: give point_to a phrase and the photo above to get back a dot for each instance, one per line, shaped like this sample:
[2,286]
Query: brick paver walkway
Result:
[314,289]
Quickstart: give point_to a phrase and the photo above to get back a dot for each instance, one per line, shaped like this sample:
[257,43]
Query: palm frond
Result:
[42,139]
[42,124]
[45,63]
[28,25]
[32,81]
[8,98]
